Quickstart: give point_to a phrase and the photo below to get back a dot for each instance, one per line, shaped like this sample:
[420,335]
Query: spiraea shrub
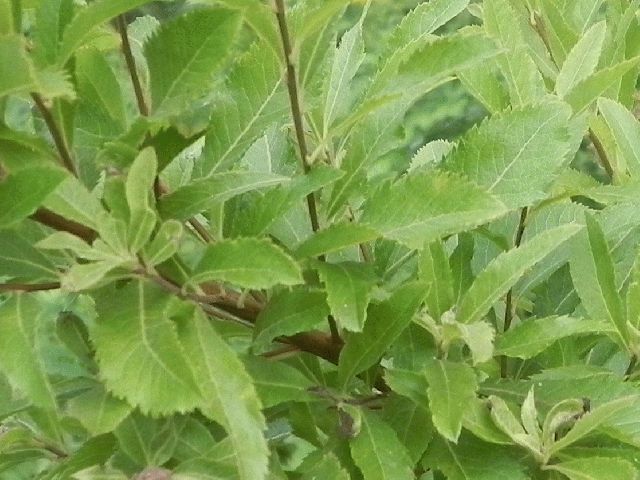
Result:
[223,255]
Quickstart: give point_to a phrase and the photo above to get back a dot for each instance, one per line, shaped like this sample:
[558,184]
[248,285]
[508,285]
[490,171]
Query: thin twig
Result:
[56,133]
[602,154]
[296,109]
[509,307]
[28,287]
[131,66]
[62,224]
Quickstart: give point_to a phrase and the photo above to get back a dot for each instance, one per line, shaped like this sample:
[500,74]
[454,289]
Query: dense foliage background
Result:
[319,239]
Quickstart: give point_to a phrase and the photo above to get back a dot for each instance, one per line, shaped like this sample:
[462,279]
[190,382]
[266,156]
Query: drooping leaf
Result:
[582,59]
[230,397]
[289,312]
[377,451]
[592,271]
[420,208]
[199,195]
[247,263]
[348,286]
[505,270]
[532,336]
[138,350]
[385,322]
[183,55]
[499,154]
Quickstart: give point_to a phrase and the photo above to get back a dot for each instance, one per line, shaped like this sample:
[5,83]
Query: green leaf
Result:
[165,243]
[229,396]
[140,178]
[334,238]
[20,77]
[506,269]
[20,361]
[625,129]
[138,350]
[348,286]
[73,201]
[420,208]
[201,194]
[23,192]
[80,28]
[326,467]
[98,411]
[582,59]
[431,154]
[248,263]
[6,17]
[411,422]
[347,59]
[588,91]
[277,383]
[256,98]
[452,386]
[289,312]
[596,468]
[435,271]
[478,336]
[183,55]
[378,452]
[19,260]
[499,153]
[532,336]
[592,271]
[385,322]
[606,413]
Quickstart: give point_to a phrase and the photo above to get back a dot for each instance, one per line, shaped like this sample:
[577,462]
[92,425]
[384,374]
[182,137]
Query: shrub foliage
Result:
[219,262]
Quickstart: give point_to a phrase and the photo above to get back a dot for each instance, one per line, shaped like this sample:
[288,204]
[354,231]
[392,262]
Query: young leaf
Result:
[289,312]
[229,396]
[138,350]
[73,201]
[532,336]
[19,358]
[348,286]
[385,322]
[452,386]
[183,55]
[435,271]
[625,129]
[378,452]
[139,184]
[505,270]
[499,153]
[595,468]
[582,59]
[165,243]
[199,195]
[247,263]
[592,271]
[89,18]
[422,207]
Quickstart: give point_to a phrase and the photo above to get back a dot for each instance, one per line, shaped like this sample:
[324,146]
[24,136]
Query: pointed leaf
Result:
[626,132]
[422,207]
[506,269]
[98,411]
[248,263]
[435,271]
[16,74]
[19,260]
[596,468]
[140,178]
[335,237]
[277,383]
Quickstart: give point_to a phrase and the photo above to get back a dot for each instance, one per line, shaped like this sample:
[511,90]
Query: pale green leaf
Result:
[534,335]
[98,411]
[22,192]
[595,468]
[326,467]
[230,398]
[289,312]
[592,271]
[420,208]
[588,91]
[16,72]
[6,17]
[435,271]
[452,386]
[431,154]
[348,286]
[335,237]
[183,55]
[73,201]
[138,350]
[385,322]
[484,84]
[83,276]
[506,421]
[201,194]
[19,358]
[478,336]
[377,451]
[582,59]
[516,155]
[505,270]
[93,15]
[164,244]
[19,260]
[139,183]
[248,263]
[146,440]
[141,225]
[625,129]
